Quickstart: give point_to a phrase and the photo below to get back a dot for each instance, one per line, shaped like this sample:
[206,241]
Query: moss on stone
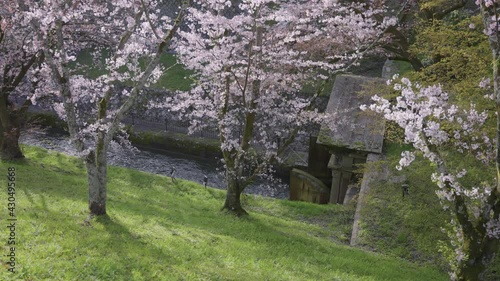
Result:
[176,142]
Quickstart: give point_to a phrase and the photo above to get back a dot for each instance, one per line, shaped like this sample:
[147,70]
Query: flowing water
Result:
[186,166]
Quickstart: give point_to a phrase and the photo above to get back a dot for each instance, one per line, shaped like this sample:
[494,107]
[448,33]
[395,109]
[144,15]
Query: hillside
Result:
[159,230]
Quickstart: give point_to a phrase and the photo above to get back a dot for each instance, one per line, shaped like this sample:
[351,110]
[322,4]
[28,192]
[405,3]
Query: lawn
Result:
[160,230]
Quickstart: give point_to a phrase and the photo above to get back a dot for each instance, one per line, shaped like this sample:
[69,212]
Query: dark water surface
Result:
[186,166]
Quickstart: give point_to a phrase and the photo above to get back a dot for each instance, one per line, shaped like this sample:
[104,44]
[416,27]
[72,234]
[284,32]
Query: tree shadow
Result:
[270,233]
[127,245]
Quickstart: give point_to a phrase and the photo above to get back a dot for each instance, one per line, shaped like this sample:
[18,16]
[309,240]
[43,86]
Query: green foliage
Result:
[457,56]
[175,77]
[393,133]
[409,226]
[403,67]
[313,87]
[433,5]
[176,142]
[159,230]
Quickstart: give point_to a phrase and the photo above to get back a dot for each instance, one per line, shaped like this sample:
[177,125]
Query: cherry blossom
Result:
[433,126]
[251,61]
[119,37]
[20,76]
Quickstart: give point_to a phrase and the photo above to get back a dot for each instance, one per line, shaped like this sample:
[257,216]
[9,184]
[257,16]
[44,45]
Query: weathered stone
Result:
[368,178]
[352,191]
[390,68]
[351,127]
[341,177]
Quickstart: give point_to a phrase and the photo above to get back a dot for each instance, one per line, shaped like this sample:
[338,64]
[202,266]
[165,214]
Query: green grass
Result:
[410,227]
[406,227]
[175,77]
[158,230]
[403,67]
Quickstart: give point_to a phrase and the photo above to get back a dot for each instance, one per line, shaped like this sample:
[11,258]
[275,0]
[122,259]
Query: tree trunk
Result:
[471,271]
[474,266]
[96,164]
[11,121]
[9,147]
[233,196]
[480,256]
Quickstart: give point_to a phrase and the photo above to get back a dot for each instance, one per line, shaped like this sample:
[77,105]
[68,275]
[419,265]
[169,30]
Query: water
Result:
[186,166]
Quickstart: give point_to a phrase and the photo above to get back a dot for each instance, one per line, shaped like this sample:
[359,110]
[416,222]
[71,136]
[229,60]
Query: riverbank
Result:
[186,166]
[159,230]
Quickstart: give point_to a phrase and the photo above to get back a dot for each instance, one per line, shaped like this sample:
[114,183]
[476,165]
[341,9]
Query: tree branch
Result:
[146,74]
[149,20]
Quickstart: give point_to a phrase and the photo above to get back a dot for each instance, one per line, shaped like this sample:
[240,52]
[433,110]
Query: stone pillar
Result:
[342,166]
[368,178]
[390,68]
[336,183]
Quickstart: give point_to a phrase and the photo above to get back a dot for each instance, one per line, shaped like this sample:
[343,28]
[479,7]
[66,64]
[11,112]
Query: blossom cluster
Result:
[487,3]
[119,38]
[434,127]
[429,120]
[251,61]
[18,54]
[493,228]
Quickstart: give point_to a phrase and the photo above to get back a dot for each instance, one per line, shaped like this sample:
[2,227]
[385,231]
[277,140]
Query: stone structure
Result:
[352,137]
[353,134]
[368,178]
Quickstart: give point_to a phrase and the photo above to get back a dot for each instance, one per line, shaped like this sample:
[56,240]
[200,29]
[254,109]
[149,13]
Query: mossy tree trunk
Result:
[11,122]
[479,247]
[473,246]
[488,244]
[12,116]
[480,254]
[233,198]
[96,164]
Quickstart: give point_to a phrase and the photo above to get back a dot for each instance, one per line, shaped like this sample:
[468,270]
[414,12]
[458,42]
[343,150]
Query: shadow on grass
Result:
[199,212]
[16,162]
[278,236]
[99,249]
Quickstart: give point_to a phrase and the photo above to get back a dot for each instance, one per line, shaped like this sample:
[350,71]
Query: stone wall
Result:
[368,178]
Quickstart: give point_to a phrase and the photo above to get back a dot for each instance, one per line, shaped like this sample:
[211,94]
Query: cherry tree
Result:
[18,56]
[133,32]
[251,59]
[434,127]
[437,128]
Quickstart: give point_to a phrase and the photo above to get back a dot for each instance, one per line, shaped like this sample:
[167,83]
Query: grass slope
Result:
[410,227]
[158,230]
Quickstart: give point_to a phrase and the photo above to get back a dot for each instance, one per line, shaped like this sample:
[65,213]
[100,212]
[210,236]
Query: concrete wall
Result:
[368,178]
